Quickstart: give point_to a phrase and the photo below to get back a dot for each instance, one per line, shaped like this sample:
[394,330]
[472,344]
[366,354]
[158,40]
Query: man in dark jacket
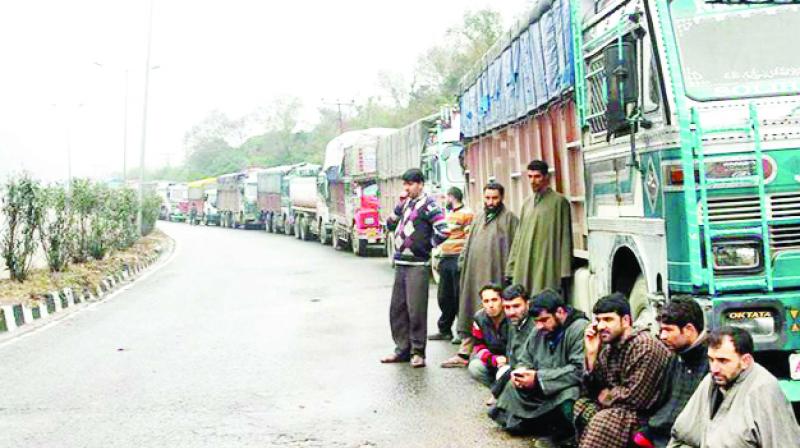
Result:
[418,225]
[682,333]
[490,334]
[546,381]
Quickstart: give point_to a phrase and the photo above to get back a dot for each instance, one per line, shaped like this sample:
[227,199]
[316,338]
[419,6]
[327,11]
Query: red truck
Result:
[351,190]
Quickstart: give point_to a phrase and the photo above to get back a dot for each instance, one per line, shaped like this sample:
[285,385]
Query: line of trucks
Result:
[671,129]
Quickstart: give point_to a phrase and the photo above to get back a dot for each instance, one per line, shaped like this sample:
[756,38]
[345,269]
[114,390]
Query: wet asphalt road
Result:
[243,339]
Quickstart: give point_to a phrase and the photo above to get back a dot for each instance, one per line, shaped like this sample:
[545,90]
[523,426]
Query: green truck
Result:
[673,127]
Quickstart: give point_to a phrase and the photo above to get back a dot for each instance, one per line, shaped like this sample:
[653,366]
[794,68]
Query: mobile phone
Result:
[517,374]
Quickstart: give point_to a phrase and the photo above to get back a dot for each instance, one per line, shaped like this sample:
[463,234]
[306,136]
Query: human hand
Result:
[524,378]
[604,398]
[501,361]
[591,344]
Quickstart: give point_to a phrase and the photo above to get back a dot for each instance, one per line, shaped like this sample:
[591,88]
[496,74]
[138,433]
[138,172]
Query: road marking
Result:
[24,331]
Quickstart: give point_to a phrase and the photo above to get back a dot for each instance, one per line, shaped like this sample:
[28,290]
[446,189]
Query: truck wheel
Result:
[323,234]
[643,312]
[358,246]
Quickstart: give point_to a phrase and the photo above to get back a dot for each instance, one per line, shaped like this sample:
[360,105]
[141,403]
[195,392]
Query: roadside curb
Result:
[50,306]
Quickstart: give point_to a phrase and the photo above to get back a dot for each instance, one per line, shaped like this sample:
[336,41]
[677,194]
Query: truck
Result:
[431,144]
[350,191]
[203,197]
[273,198]
[237,199]
[674,139]
[304,201]
[177,202]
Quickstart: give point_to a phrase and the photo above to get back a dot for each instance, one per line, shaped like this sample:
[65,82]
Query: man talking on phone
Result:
[622,372]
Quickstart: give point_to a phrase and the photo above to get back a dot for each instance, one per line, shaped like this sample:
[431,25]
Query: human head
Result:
[613,316]
[515,303]
[413,182]
[549,311]
[493,194]
[454,197]
[681,323]
[491,300]
[730,351]
[538,175]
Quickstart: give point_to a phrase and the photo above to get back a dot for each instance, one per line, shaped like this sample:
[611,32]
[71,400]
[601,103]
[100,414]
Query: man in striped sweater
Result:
[418,225]
[458,220]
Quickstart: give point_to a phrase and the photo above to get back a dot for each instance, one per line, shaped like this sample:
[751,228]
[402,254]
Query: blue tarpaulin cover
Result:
[534,68]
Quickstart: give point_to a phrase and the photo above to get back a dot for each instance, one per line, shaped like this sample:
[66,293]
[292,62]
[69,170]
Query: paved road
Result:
[242,339]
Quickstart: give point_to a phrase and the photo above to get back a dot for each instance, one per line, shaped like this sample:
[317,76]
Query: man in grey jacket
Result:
[738,404]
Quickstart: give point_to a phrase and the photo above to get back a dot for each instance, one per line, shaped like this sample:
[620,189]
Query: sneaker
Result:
[417,361]
[456,340]
[455,362]
[440,337]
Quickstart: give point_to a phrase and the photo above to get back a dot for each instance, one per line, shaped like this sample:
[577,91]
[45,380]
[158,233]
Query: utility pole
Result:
[339,104]
[125,134]
[139,221]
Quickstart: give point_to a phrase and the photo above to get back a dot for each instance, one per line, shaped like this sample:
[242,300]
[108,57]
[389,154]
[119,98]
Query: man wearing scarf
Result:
[547,379]
[482,262]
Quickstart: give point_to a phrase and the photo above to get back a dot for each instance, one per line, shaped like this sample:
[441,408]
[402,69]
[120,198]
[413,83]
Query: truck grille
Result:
[780,206]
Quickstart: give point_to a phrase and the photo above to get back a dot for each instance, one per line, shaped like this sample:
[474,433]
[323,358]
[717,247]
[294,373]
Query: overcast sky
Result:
[232,55]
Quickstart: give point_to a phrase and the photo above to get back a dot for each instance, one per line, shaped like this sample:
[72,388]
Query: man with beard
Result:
[490,333]
[541,255]
[483,259]
[739,404]
[546,381]
[458,221]
[622,372]
[682,322]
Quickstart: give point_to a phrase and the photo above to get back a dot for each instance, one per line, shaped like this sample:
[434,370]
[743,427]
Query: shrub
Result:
[56,230]
[22,208]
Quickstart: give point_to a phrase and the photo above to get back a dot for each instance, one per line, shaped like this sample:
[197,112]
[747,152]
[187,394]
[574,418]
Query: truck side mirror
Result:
[621,85]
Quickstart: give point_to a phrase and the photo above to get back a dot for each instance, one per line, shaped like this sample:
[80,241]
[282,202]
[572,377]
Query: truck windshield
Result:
[735,51]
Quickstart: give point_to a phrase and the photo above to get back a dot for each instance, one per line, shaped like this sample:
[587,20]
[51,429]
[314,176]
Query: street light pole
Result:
[139,222]
[125,135]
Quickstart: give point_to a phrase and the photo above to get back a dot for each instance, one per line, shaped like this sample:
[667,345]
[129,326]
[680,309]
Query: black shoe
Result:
[440,337]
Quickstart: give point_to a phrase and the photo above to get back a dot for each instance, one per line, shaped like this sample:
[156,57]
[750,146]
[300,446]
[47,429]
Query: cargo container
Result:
[203,197]
[673,136]
[305,201]
[273,198]
[237,200]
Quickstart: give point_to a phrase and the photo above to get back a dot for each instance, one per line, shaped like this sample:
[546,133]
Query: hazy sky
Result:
[232,55]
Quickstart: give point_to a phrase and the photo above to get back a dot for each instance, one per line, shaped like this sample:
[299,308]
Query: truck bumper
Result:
[373,237]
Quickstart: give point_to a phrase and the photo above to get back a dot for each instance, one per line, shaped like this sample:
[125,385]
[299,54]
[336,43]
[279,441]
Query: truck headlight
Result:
[756,322]
[369,221]
[736,254]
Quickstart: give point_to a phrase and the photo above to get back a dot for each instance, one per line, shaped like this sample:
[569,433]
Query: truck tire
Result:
[323,234]
[358,246]
[335,241]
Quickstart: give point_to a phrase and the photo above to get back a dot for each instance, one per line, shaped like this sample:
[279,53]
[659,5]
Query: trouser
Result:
[448,293]
[408,312]
[481,372]
[556,423]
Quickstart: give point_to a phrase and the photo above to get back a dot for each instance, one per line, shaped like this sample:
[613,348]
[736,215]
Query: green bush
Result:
[22,208]
[56,230]
[84,202]
[151,205]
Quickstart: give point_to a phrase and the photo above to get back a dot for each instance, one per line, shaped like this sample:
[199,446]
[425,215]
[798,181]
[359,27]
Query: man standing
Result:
[418,224]
[541,256]
[490,332]
[740,404]
[482,262]
[622,373]
[682,324]
[458,221]
[546,381]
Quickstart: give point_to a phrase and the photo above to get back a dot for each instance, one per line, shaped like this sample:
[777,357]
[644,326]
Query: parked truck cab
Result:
[671,127]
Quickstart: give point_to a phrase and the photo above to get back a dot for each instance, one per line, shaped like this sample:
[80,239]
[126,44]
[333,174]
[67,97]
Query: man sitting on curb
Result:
[546,381]
[515,306]
[682,324]
[490,334]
